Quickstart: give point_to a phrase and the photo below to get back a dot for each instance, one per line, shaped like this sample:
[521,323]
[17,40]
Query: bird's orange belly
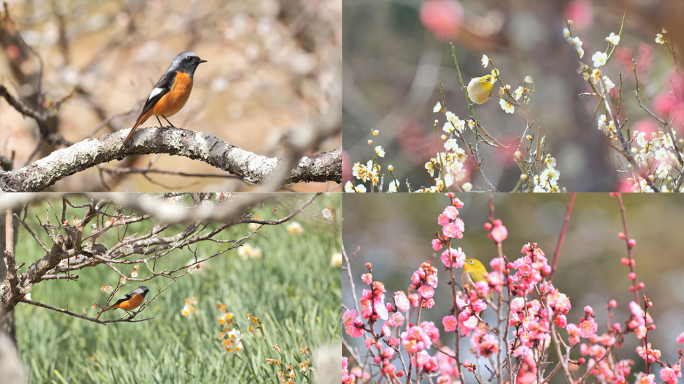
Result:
[132,303]
[175,99]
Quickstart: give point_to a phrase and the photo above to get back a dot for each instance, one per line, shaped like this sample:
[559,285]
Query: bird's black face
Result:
[188,64]
[193,61]
[144,290]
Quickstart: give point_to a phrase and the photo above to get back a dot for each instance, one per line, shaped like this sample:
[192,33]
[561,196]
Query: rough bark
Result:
[253,168]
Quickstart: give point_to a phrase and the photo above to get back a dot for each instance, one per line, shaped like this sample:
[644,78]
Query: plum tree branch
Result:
[253,168]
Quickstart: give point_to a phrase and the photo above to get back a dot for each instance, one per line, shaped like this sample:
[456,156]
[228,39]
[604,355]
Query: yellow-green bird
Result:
[473,271]
[480,89]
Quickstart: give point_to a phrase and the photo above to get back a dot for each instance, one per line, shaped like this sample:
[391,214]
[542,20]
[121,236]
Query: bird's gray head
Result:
[186,62]
[142,290]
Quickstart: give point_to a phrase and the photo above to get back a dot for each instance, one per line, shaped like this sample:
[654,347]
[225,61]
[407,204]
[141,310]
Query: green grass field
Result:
[292,289]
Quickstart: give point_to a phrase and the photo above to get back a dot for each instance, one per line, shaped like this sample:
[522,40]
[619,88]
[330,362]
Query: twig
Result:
[562,236]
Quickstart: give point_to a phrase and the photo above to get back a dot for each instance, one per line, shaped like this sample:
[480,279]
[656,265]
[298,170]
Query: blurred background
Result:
[396,52]
[394,233]
[271,68]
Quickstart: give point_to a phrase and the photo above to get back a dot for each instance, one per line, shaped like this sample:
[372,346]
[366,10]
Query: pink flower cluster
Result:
[498,232]
[530,321]
[639,322]
[452,225]
[424,280]
[373,302]
[483,343]
[356,372]
[467,320]
[670,374]
[448,370]
[531,269]
[353,325]
[416,340]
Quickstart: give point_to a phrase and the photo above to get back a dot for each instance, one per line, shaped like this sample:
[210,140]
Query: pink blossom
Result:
[436,244]
[651,356]
[396,319]
[517,304]
[453,258]
[448,370]
[424,361]
[454,230]
[573,334]
[414,299]
[449,323]
[561,321]
[426,291]
[367,278]
[484,343]
[401,301]
[499,233]
[451,212]
[415,339]
[443,219]
[588,327]
[646,379]
[346,377]
[381,310]
[467,324]
[669,375]
[559,302]
[366,307]
[479,305]
[386,330]
[496,280]
[680,338]
[457,203]
[352,324]
[482,288]
[431,330]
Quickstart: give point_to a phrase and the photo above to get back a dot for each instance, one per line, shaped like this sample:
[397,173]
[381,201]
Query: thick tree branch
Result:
[253,168]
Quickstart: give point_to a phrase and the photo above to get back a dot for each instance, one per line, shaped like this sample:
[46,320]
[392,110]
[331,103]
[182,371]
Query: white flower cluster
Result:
[599,59]
[607,127]
[453,161]
[658,155]
[547,180]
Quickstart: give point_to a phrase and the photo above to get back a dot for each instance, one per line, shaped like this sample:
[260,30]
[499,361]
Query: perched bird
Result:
[473,271]
[171,91]
[131,300]
[480,88]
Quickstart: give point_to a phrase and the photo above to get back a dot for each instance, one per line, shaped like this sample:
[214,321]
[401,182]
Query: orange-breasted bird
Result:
[131,300]
[171,91]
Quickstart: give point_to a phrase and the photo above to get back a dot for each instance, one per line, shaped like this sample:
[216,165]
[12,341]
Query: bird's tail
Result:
[115,306]
[140,120]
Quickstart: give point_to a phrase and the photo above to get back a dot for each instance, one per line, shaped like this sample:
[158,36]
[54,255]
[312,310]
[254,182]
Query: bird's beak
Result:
[202,61]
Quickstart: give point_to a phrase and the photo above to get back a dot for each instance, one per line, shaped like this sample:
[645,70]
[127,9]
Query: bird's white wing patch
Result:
[154,93]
